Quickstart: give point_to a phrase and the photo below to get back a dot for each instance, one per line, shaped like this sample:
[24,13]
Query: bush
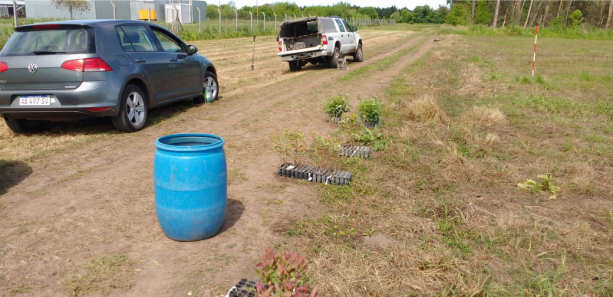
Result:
[575,19]
[556,23]
[370,110]
[458,15]
[337,106]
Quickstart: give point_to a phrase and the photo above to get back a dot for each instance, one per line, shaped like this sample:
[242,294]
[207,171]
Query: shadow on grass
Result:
[234,211]
[12,173]
[323,66]
[95,126]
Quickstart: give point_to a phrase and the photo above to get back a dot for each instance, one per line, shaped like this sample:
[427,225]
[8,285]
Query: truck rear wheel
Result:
[295,65]
[335,56]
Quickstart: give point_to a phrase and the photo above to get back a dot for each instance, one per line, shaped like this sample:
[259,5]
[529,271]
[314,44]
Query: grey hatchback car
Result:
[98,68]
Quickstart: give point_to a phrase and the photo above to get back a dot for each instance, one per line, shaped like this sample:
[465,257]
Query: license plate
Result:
[35,100]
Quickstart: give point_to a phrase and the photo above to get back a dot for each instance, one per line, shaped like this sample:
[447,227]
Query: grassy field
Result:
[440,212]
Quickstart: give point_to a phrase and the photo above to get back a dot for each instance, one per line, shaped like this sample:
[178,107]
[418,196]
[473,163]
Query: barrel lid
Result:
[190,142]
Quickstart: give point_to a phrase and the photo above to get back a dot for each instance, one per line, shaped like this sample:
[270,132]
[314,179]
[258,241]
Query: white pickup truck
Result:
[318,40]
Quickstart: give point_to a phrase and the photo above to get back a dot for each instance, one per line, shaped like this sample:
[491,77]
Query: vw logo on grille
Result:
[32,68]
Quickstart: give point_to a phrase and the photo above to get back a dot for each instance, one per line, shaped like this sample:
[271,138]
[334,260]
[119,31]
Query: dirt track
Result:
[72,206]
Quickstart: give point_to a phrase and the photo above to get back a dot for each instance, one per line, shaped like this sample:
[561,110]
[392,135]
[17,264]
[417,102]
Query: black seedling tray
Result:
[244,288]
[315,174]
[355,150]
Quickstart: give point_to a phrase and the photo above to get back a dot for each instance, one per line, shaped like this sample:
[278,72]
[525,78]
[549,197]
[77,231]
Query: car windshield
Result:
[49,42]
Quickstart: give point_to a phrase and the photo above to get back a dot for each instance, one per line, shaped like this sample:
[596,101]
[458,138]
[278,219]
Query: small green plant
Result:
[372,137]
[337,105]
[290,144]
[544,185]
[370,110]
[283,275]
[323,150]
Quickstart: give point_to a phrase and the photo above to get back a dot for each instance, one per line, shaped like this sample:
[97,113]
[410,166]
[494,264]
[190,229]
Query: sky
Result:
[362,3]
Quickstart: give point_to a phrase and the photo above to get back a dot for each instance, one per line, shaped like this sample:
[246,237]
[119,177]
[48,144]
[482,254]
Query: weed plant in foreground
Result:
[440,212]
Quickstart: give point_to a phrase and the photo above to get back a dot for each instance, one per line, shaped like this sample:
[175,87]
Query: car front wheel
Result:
[132,111]
[210,89]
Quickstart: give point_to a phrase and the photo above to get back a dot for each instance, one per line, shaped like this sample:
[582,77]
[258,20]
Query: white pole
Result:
[275,20]
[114,10]
[285,16]
[251,16]
[219,19]
[199,21]
[15,13]
[534,58]
[236,18]
[264,21]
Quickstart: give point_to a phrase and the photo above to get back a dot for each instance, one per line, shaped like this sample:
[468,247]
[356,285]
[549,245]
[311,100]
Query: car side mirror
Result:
[354,29]
[192,49]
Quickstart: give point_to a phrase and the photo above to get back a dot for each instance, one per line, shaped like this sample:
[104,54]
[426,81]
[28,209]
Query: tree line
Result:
[525,13]
[530,13]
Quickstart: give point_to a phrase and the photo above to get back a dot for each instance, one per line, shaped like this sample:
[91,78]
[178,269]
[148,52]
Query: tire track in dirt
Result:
[75,209]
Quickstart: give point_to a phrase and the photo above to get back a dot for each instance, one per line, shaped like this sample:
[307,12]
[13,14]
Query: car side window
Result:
[347,26]
[340,25]
[135,38]
[169,45]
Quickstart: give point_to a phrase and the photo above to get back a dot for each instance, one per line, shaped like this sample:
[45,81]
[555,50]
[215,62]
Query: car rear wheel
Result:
[359,55]
[335,56]
[210,89]
[295,65]
[132,111]
[23,126]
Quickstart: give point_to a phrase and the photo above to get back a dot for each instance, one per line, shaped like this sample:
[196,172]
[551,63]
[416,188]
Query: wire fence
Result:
[224,27]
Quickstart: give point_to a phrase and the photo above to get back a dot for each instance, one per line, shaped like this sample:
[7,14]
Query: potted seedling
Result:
[292,148]
[370,112]
[283,274]
[336,106]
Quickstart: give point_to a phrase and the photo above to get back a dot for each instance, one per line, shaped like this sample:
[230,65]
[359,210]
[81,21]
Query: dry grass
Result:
[485,117]
[439,212]
[425,109]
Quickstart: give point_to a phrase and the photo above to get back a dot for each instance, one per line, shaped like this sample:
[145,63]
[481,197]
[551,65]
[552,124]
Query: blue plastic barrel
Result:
[191,185]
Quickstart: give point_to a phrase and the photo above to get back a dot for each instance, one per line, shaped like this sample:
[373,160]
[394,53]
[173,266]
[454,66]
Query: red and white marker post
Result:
[536,34]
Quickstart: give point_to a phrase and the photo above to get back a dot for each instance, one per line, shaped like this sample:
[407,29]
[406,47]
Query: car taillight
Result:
[87,65]
[324,40]
[280,46]
[3,67]
[37,27]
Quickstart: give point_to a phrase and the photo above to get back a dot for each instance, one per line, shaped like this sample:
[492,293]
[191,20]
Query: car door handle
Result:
[173,60]
[140,61]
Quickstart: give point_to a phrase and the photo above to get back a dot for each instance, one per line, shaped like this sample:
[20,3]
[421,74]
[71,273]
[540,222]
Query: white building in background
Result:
[124,9]
[6,8]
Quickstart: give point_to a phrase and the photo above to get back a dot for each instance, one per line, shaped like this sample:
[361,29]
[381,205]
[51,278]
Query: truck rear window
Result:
[50,41]
[299,29]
